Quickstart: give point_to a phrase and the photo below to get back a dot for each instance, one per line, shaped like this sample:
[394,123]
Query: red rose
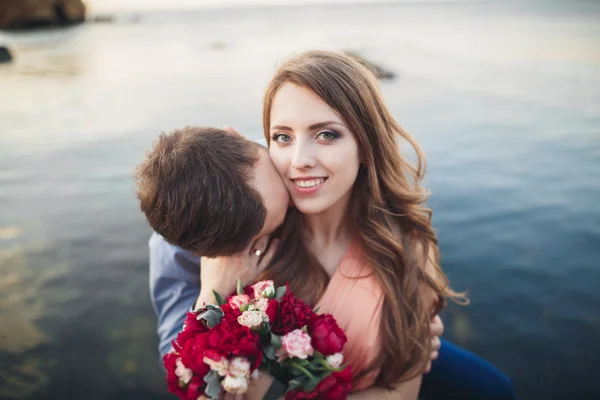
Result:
[300,395]
[293,313]
[190,391]
[192,354]
[169,361]
[327,337]
[272,310]
[192,323]
[195,388]
[335,386]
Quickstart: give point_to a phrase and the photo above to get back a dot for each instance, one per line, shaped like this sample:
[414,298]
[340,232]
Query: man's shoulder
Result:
[167,254]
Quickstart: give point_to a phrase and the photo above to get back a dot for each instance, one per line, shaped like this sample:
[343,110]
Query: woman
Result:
[360,242]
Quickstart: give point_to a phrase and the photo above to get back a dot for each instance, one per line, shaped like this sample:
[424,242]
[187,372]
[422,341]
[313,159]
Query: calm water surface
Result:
[504,98]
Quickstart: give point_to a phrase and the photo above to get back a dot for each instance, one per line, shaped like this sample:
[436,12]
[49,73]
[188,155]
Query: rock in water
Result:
[379,71]
[20,14]
[5,55]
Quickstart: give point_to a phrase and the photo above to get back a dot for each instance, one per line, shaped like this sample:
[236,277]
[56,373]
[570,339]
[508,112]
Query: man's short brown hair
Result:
[195,189]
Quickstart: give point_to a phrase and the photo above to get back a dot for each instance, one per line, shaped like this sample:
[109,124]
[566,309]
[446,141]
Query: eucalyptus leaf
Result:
[213,385]
[281,290]
[270,352]
[276,341]
[240,288]
[316,310]
[212,316]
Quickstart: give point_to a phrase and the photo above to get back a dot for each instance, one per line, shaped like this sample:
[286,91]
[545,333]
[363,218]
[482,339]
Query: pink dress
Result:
[354,298]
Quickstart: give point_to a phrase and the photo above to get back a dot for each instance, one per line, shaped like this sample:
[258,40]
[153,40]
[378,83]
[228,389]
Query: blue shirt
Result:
[174,287]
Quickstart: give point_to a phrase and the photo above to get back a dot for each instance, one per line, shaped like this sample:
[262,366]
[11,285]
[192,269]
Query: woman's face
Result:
[313,150]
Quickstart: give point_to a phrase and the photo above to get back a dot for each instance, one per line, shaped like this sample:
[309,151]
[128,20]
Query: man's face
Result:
[272,189]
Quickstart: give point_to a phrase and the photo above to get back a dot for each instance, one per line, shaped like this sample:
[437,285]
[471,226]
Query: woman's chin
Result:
[310,207]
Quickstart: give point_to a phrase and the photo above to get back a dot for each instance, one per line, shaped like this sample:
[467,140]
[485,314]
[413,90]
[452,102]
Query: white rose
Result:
[235,384]
[239,367]
[250,319]
[335,360]
[221,366]
[184,374]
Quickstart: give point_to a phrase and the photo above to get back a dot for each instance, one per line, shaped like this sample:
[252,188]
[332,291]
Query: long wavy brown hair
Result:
[387,213]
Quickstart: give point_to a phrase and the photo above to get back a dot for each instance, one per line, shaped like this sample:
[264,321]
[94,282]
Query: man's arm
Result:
[174,286]
[408,390]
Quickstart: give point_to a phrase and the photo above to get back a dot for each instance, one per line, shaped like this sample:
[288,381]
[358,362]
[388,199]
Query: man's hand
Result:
[222,273]
[437,329]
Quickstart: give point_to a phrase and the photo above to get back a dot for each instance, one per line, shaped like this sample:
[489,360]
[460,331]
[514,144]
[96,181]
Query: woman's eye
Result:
[328,135]
[280,138]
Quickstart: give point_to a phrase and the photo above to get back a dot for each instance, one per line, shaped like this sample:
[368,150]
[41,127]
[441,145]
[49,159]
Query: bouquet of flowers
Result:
[221,347]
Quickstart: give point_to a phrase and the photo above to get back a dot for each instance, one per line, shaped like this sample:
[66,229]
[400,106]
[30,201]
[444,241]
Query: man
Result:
[233,196]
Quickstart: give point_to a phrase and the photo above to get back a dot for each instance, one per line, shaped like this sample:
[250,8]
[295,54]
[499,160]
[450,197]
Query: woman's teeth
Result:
[310,183]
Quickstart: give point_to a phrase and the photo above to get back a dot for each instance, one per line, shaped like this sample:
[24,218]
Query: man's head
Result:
[210,191]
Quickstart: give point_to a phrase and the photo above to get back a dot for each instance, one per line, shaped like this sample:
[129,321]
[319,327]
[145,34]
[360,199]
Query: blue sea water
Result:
[504,98]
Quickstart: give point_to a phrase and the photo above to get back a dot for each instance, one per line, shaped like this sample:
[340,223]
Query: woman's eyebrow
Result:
[312,127]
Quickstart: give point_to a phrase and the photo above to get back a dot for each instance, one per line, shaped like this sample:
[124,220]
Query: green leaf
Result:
[301,362]
[280,291]
[220,300]
[213,385]
[293,384]
[310,385]
[240,288]
[324,375]
[276,341]
[316,310]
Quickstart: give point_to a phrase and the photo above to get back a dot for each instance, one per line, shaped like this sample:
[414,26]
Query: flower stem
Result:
[305,371]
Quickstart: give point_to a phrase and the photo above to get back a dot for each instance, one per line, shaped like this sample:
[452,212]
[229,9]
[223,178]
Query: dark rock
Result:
[24,14]
[5,55]
[379,71]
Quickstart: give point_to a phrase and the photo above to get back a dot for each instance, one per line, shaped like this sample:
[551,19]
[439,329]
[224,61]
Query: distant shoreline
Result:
[109,7]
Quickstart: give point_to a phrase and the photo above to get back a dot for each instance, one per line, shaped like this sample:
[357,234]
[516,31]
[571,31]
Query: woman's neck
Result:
[328,227]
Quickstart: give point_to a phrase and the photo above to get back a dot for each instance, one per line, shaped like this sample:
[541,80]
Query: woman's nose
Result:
[304,156]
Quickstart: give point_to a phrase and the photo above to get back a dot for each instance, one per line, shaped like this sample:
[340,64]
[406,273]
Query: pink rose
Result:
[264,289]
[239,300]
[262,304]
[295,344]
